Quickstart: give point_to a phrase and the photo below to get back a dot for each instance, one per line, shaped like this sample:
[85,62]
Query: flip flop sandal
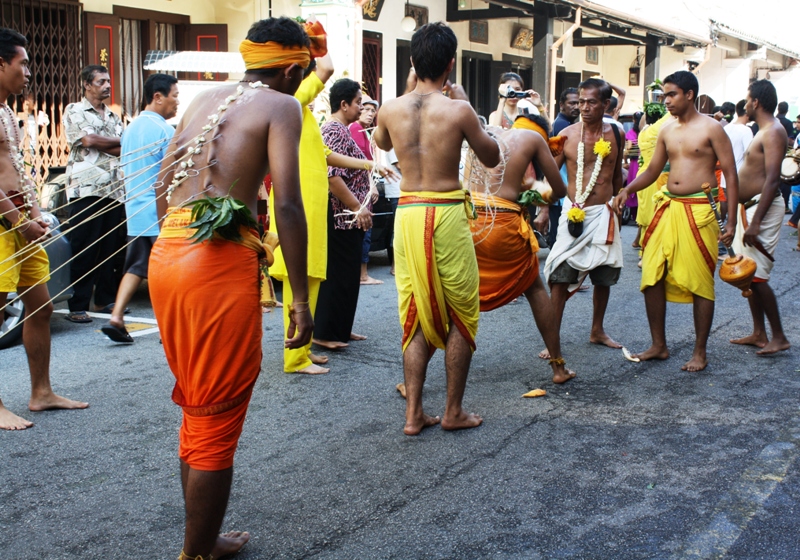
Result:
[117,334]
[78,317]
[109,308]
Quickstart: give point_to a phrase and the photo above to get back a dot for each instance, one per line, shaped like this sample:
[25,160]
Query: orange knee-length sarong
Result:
[206,300]
[506,249]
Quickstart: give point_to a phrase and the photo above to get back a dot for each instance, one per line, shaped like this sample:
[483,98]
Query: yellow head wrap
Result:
[556,143]
[258,56]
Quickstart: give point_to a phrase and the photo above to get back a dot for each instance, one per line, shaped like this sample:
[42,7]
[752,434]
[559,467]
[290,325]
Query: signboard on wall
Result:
[371,9]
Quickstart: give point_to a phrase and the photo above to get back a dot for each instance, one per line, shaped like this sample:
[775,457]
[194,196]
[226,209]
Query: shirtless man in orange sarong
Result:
[206,295]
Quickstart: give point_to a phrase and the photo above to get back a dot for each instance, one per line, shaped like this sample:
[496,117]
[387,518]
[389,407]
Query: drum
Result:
[790,168]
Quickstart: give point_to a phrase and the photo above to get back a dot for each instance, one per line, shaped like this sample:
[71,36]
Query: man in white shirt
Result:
[740,134]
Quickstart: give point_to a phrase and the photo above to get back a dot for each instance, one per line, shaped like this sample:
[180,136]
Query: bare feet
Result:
[401,388]
[370,281]
[752,340]
[415,426]
[354,336]
[391,272]
[229,543]
[653,353]
[544,354]
[330,344]
[604,339]
[52,402]
[697,363]
[10,421]
[319,360]
[313,369]
[562,374]
[774,347]
[463,421]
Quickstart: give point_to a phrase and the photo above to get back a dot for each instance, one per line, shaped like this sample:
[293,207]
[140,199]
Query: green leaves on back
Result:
[531,196]
[222,215]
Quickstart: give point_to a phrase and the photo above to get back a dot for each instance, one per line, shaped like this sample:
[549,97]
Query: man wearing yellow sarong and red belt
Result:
[505,244]
[204,279]
[680,244]
[435,265]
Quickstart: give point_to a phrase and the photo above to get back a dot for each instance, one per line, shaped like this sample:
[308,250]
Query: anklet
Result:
[185,556]
[556,361]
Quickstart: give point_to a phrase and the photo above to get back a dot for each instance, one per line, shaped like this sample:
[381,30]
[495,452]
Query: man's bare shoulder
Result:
[571,130]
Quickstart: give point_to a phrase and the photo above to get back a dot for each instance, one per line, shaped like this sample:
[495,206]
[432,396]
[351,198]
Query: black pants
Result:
[338,294]
[555,215]
[88,250]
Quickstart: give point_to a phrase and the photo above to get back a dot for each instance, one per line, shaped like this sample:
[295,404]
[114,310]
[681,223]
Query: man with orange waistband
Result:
[679,247]
[435,266]
[761,214]
[505,244]
[206,294]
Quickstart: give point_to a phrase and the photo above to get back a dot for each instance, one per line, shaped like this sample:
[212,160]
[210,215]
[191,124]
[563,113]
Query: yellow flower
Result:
[602,148]
[576,214]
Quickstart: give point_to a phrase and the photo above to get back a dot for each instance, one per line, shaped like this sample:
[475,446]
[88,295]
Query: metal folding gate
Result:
[53,29]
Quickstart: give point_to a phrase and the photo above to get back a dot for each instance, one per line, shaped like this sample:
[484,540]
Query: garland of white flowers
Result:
[17,160]
[601,149]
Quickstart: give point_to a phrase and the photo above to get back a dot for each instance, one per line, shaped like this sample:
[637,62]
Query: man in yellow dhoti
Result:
[761,215]
[436,270]
[680,244]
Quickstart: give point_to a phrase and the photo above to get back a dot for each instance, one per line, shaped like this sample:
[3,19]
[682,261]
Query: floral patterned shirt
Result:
[90,171]
[337,137]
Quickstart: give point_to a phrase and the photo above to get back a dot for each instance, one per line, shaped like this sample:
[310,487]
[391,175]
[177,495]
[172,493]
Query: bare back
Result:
[763,155]
[693,148]
[526,146]
[426,132]
[234,160]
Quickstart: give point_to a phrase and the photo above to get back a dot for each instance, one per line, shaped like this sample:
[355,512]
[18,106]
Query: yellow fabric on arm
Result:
[647,147]
[313,187]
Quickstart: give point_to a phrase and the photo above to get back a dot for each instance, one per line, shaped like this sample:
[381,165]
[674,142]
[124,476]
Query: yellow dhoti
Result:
[436,269]
[681,240]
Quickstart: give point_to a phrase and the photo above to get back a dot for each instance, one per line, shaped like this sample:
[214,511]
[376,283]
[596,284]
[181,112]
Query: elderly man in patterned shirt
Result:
[94,190]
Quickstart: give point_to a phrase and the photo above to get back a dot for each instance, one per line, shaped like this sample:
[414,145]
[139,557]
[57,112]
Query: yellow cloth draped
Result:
[681,238]
[556,143]
[258,56]
[647,146]
[436,269]
[313,187]
[506,251]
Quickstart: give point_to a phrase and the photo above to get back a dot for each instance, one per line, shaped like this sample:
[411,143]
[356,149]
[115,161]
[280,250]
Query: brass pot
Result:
[738,271]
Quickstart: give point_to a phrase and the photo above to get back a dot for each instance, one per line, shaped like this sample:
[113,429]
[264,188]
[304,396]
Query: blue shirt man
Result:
[144,144]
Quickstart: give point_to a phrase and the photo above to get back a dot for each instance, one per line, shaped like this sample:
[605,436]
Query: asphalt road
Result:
[626,461]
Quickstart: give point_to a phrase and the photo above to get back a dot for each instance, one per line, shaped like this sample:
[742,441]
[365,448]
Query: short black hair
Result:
[538,119]
[598,84]
[158,83]
[612,104]
[685,81]
[569,91]
[740,108]
[89,72]
[345,90]
[512,76]
[282,30]
[765,93]
[311,67]
[783,107]
[9,41]
[433,46]
[728,108]
[637,120]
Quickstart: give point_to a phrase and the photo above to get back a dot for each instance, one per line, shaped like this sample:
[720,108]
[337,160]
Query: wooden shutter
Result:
[207,37]
[101,38]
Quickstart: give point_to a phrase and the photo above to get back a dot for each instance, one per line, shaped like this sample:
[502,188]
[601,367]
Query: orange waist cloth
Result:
[506,253]
[205,297]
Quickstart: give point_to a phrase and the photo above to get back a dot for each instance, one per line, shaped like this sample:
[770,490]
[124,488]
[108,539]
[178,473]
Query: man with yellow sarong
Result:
[761,214]
[205,289]
[505,244]
[680,244]
[647,147]
[435,265]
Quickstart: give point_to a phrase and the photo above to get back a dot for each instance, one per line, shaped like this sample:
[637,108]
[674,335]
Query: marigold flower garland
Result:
[576,214]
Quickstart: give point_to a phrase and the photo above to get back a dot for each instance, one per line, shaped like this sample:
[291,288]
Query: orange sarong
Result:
[206,299]
[506,251]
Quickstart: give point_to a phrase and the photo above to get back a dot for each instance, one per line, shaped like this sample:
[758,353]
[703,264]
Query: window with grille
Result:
[371,68]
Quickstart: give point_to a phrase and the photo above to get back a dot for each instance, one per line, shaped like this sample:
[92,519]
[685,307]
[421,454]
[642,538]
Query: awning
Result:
[719,27]
[194,61]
